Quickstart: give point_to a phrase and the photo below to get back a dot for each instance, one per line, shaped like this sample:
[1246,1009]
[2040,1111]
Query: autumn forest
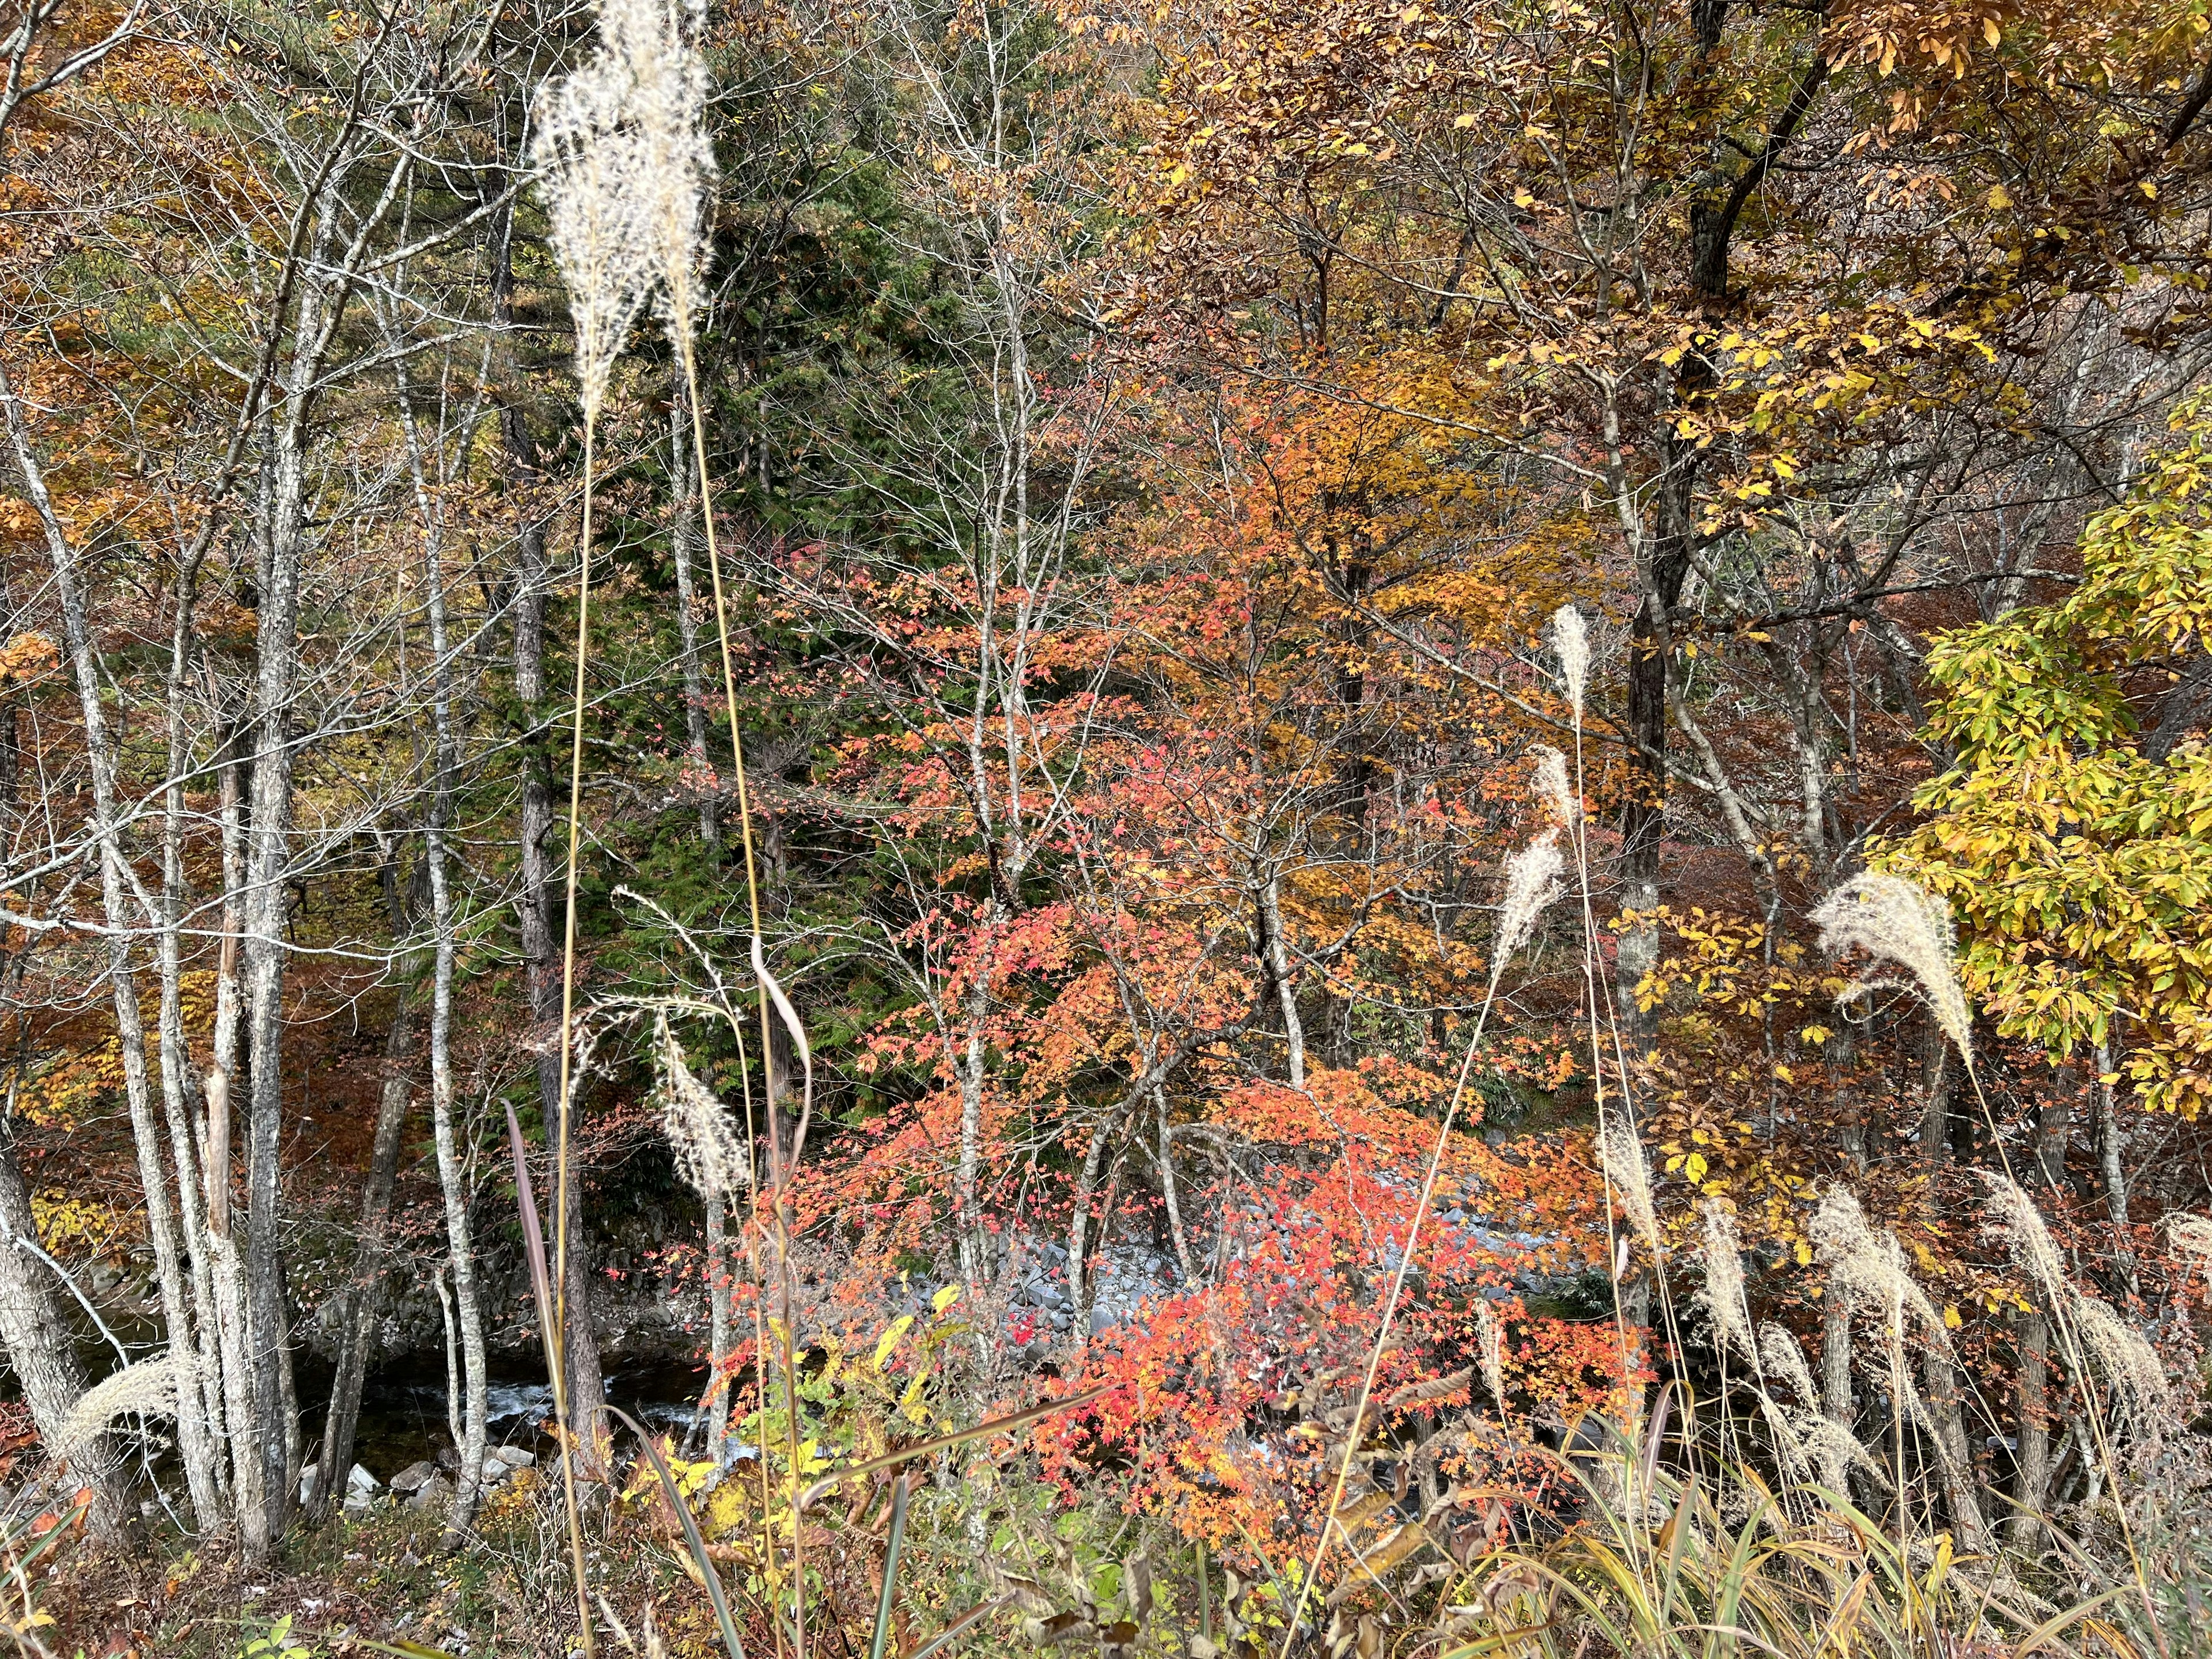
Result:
[1237,829]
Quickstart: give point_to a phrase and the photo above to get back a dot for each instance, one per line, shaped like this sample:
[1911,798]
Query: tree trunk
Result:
[1278,969]
[357,1303]
[453,1161]
[1168,1195]
[202,1345]
[586,1388]
[218,1167]
[2031,1477]
[267,864]
[718,1330]
[2112,1148]
[1940,1380]
[35,1327]
[1078,1226]
[130,1029]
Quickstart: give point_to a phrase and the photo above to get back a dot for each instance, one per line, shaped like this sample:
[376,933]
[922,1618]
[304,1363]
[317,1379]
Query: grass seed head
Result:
[2191,1236]
[1570,635]
[1779,1353]
[594,172]
[1869,1267]
[1553,788]
[147,1388]
[1489,1350]
[1722,1254]
[1892,921]
[2033,1246]
[708,1150]
[2136,1373]
[657,42]
[1532,882]
[1622,1154]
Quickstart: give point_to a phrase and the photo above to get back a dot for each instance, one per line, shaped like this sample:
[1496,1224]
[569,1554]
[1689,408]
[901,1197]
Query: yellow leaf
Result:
[889,1338]
[1521,198]
[2000,197]
[946,1298]
[1990,31]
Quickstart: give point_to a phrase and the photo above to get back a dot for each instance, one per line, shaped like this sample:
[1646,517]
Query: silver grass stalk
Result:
[1722,1254]
[657,41]
[1780,1355]
[2033,1246]
[2191,1236]
[1553,788]
[1789,1447]
[1894,920]
[594,174]
[1532,882]
[1571,637]
[2131,1363]
[1867,1266]
[708,1150]
[2136,1373]
[1837,1450]
[1622,1155]
[147,1389]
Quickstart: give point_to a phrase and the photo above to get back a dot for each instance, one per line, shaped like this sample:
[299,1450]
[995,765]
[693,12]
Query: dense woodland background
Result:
[1192,496]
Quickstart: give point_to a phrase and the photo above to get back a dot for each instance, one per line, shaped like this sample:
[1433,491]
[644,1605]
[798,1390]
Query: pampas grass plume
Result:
[1570,636]
[1779,1354]
[1553,789]
[147,1388]
[1894,920]
[1722,1254]
[1869,1267]
[658,42]
[1622,1155]
[1489,1350]
[2192,1237]
[594,172]
[1532,882]
[708,1150]
[2136,1371]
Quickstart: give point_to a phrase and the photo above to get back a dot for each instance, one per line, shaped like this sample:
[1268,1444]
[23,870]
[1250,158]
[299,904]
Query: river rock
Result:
[414,1477]
[435,1493]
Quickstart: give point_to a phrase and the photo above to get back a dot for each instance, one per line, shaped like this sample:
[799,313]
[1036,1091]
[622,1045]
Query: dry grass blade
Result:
[533,1240]
[822,1488]
[960,1625]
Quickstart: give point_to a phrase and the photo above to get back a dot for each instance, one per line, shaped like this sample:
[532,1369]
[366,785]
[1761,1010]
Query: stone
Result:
[412,1478]
[360,1488]
[433,1494]
[515,1457]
